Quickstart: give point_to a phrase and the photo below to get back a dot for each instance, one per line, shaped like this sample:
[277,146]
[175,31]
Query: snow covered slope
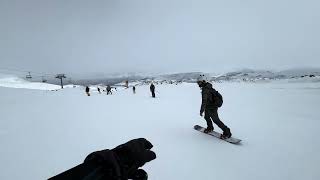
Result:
[43,133]
[16,82]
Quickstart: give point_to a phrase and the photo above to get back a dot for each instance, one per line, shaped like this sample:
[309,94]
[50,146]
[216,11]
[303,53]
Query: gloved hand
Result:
[120,163]
[133,155]
[125,160]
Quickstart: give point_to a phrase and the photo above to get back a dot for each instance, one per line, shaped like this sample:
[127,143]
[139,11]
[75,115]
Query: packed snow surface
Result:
[43,133]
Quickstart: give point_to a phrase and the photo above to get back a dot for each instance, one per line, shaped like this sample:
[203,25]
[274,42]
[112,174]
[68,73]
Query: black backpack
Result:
[217,98]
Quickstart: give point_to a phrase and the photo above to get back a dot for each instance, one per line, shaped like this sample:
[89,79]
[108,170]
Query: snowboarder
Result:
[152,89]
[134,89]
[109,90]
[120,163]
[210,108]
[88,90]
[99,90]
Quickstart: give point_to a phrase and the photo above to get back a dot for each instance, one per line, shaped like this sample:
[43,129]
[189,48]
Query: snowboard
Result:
[217,135]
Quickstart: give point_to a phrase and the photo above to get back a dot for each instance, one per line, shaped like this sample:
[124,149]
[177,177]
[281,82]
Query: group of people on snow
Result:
[211,101]
[108,89]
[125,161]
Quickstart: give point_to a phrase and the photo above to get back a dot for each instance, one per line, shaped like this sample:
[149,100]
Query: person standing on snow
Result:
[88,90]
[134,89]
[152,89]
[109,90]
[211,101]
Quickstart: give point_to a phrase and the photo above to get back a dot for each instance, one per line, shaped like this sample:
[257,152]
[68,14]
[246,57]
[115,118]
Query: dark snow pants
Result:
[153,94]
[212,115]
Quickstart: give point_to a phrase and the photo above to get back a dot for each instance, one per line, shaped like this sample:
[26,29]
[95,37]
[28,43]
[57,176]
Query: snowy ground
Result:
[43,133]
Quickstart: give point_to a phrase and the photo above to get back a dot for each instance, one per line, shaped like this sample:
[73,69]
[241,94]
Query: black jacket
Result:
[207,98]
[152,88]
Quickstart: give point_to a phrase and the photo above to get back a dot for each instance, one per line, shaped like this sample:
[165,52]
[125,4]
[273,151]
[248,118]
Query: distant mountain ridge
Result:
[254,75]
[244,75]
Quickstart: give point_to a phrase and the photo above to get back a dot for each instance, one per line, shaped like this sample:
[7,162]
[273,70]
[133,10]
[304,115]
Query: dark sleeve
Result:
[96,165]
[204,101]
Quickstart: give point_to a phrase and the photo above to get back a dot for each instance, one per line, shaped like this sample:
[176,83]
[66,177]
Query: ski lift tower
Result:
[28,76]
[61,76]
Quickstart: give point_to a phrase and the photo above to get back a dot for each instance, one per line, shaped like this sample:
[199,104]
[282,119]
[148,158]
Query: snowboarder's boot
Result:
[208,130]
[226,134]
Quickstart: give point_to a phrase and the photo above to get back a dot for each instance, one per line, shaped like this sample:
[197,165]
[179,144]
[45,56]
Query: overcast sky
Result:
[158,35]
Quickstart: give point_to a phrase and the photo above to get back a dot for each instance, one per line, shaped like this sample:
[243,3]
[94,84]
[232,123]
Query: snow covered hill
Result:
[12,81]
[15,82]
[43,133]
[244,75]
[248,75]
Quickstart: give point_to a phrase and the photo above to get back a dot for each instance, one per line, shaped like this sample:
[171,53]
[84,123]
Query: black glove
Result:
[120,163]
[133,155]
[108,161]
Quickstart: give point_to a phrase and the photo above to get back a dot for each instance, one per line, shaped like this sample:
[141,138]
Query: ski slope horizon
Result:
[43,133]
[244,74]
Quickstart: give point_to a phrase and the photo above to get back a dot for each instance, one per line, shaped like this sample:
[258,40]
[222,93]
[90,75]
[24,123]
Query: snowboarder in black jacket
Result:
[209,107]
[152,89]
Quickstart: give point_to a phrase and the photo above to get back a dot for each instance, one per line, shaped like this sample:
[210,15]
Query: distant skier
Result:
[134,89]
[99,90]
[152,89]
[211,100]
[88,90]
[109,90]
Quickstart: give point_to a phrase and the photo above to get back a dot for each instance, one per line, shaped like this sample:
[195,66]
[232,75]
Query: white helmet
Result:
[202,77]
